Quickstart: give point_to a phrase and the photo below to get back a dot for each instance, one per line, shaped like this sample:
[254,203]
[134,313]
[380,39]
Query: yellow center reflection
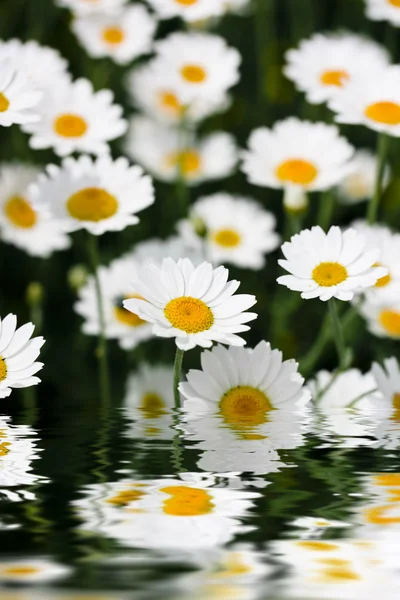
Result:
[244,407]
[152,406]
[187,501]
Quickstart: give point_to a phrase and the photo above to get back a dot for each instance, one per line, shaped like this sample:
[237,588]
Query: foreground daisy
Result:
[189,10]
[19,98]
[384,10]
[359,184]
[324,64]
[329,265]
[196,306]
[383,317]
[22,225]
[96,195]
[294,153]
[159,150]
[74,118]
[31,571]
[121,37]
[231,229]
[92,6]
[18,353]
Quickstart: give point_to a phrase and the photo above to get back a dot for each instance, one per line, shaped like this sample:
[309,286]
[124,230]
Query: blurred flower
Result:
[121,37]
[34,570]
[75,118]
[97,195]
[196,306]
[375,106]
[315,526]
[189,10]
[77,276]
[159,150]
[297,153]
[236,230]
[200,65]
[19,98]
[175,247]
[384,10]
[329,265]
[383,317]
[388,383]
[17,451]
[359,184]
[17,355]
[26,227]
[324,64]
[92,6]
[236,6]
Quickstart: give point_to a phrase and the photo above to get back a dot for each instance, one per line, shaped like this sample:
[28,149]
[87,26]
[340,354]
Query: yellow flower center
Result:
[126,317]
[337,78]
[152,405]
[297,171]
[244,407]
[339,574]
[92,204]
[228,238]
[70,126]
[378,515]
[387,113]
[396,408]
[125,497]
[4,445]
[383,281]
[318,546]
[188,161]
[20,212]
[388,479]
[187,501]
[234,566]
[334,562]
[194,73]
[328,274]
[189,314]
[187,2]
[113,35]
[395,3]
[21,570]
[4,103]
[3,369]
[170,101]
[390,321]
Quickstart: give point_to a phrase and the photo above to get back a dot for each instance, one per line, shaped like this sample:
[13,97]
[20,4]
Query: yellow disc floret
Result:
[187,501]
[328,274]
[387,113]
[20,212]
[337,78]
[297,171]
[92,204]
[227,238]
[189,314]
[4,103]
[70,126]
[244,407]
[390,321]
[194,73]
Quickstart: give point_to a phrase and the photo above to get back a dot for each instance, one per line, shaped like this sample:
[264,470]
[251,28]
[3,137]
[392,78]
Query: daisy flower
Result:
[34,570]
[159,150]
[17,451]
[152,90]
[200,65]
[359,184]
[236,230]
[18,353]
[121,37]
[362,102]
[329,265]
[294,153]
[387,378]
[324,64]
[74,118]
[383,317]
[189,10]
[384,10]
[32,230]
[19,98]
[196,306]
[317,525]
[97,195]
[85,7]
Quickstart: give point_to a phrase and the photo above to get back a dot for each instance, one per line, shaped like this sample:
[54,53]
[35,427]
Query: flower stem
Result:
[373,206]
[102,343]
[338,333]
[177,376]
[326,209]
[182,188]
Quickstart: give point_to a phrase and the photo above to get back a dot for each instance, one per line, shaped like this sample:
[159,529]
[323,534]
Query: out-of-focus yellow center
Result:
[233,566]
[20,570]
[186,2]
[20,212]
[70,126]
[390,321]
[4,103]
[395,3]
[4,444]
[339,574]
[187,501]
[113,35]
[92,204]
[244,407]
[328,274]
[188,161]
[189,314]
[126,317]
[228,238]
[334,562]
[152,406]
[297,171]
[3,369]
[387,113]
[387,479]
[170,101]
[383,281]
[193,73]
[337,78]
[318,546]
[396,408]
[125,497]
[378,515]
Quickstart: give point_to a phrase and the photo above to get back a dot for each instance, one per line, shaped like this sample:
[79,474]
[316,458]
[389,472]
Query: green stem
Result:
[182,188]
[383,147]
[177,376]
[102,344]
[260,35]
[337,333]
[326,209]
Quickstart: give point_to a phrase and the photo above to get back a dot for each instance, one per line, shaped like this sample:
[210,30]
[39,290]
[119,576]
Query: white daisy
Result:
[97,195]
[375,106]
[200,65]
[189,10]
[19,98]
[74,118]
[32,570]
[196,306]
[17,451]
[324,64]
[388,383]
[152,91]
[18,354]
[295,153]
[122,37]
[92,6]
[159,150]
[32,230]
[233,229]
[383,317]
[329,265]
[384,10]
[359,184]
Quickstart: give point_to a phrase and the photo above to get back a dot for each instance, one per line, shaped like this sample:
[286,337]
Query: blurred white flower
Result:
[19,97]
[388,383]
[383,317]
[384,10]
[231,229]
[175,247]
[315,526]
[295,153]
[97,195]
[189,10]
[32,570]
[85,7]
[359,184]
[74,118]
